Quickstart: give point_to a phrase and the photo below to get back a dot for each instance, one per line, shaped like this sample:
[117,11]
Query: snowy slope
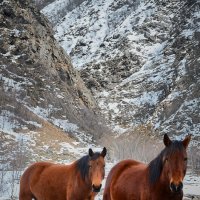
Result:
[44,104]
[88,26]
[140,59]
[137,58]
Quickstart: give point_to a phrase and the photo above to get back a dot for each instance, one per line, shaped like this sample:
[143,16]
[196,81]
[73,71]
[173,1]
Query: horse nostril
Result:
[180,186]
[172,187]
[176,188]
[96,188]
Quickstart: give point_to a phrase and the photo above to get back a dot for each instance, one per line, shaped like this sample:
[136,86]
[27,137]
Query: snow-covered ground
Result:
[10,179]
[192,184]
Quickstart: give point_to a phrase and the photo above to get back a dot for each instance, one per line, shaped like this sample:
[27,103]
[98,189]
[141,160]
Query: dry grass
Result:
[51,136]
[143,144]
[137,144]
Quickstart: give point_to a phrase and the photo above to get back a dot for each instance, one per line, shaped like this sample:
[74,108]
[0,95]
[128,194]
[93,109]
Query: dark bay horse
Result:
[161,179]
[80,180]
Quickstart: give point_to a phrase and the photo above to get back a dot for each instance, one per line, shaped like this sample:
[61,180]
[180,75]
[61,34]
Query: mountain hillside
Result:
[140,59]
[39,86]
[46,111]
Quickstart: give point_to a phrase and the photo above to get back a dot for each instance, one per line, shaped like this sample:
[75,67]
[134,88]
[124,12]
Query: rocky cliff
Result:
[39,86]
[140,59]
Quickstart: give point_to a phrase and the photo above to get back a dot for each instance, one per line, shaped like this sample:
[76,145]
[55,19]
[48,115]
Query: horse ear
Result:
[186,141]
[104,151]
[167,140]
[91,153]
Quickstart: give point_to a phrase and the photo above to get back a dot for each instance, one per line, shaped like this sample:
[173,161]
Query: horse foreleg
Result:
[91,198]
[26,197]
[106,197]
[106,194]
[26,194]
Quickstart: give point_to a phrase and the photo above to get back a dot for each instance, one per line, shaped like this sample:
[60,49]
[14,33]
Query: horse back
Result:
[32,173]
[41,175]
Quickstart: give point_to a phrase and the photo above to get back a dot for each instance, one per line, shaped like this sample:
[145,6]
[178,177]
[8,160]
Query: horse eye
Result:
[166,159]
[185,159]
[90,166]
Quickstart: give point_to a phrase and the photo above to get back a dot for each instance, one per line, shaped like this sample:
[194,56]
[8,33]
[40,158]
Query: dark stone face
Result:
[8,12]
[24,2]
[29,49]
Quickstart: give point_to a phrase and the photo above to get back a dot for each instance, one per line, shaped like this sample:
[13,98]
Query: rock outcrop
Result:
[38,81]
[140,59]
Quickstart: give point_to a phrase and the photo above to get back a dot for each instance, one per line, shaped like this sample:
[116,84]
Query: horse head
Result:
[96,168]
[174,162]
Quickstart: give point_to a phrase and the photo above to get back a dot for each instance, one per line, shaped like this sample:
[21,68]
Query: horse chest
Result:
[166,196]
[81,193]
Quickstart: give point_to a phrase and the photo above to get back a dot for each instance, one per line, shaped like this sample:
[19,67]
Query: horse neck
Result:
[162,182]
[85,182]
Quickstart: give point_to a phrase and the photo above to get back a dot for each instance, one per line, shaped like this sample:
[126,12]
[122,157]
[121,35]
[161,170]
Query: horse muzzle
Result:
[96,188]
[176,188]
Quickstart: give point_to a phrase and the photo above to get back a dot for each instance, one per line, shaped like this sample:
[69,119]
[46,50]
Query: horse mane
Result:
[82,164]
[156,165]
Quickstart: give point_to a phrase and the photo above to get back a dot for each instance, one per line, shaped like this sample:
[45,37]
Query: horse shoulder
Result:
[37,170]
[134,174]
[138,175]
[131,181]
[121,168]
[58,173]
[74,181]
[116,172]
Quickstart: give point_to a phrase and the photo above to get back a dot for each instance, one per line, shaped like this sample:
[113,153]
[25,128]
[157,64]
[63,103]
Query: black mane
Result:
[156,165]
[83,166]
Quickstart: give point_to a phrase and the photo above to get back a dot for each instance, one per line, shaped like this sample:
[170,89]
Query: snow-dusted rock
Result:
[139,58]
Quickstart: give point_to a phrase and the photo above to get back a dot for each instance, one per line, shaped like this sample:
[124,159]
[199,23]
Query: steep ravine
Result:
[140,60]
[30,54]
[46,111]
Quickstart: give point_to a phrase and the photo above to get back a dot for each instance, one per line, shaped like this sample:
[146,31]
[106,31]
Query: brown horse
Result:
[80,180]
[161,179]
